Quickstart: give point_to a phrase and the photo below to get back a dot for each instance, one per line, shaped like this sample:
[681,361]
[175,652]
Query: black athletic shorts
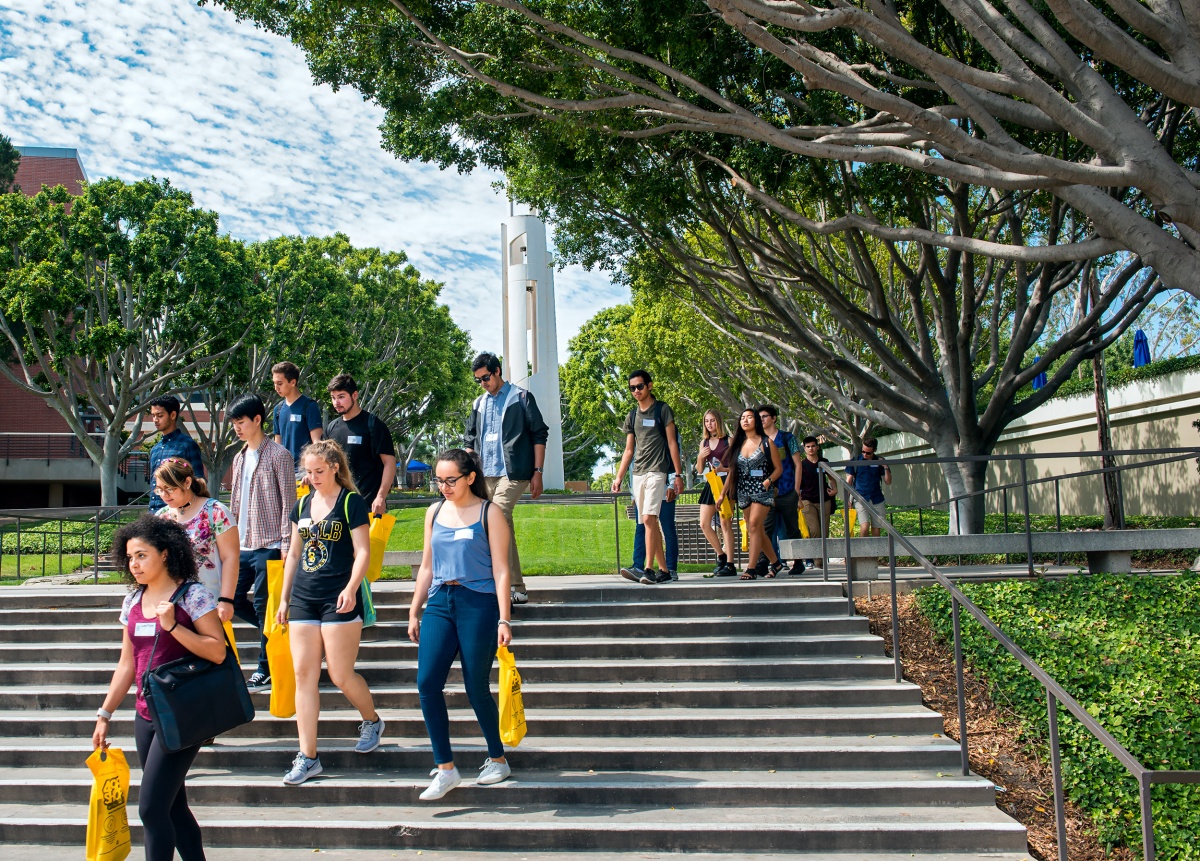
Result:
[304,612]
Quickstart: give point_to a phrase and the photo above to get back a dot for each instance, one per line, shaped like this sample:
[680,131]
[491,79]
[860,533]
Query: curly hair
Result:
[161,534]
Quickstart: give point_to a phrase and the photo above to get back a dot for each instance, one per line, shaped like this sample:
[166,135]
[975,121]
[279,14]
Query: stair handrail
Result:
[1055,693]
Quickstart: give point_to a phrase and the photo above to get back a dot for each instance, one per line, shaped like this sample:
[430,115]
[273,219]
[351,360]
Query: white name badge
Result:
[144,629]
[305,523]
[756,473]
[647,423]
[491,437]
[295,418]
[463,534]
[353,440]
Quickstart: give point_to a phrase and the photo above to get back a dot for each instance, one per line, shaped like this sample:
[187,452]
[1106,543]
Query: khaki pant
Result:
[812,522]
[504,494]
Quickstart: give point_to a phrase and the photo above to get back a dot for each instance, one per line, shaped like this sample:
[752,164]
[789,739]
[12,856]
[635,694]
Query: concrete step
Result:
[549,722]
[663,788]
[646,754]
[693,647]
[577,695]
[642,670]
[500,826]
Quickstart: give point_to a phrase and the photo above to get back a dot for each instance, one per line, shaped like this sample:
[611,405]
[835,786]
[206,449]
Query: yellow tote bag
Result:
[283,673]
[803,525]
[512,708]
[274,592]
[714,482]
[229,633]
[108,823]
[381,531]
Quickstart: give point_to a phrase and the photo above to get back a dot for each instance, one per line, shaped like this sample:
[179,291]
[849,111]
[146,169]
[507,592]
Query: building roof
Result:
[51,166]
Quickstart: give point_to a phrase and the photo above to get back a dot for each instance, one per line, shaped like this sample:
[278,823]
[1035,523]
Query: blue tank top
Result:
[462,553]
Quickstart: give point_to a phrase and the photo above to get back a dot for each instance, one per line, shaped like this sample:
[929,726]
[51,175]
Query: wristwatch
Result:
[539,469]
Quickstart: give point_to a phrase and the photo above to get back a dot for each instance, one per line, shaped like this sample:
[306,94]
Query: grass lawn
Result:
[35,565]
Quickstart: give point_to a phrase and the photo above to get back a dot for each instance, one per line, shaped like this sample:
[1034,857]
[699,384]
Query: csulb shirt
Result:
[364,438]
[326,546]
[649,429]
[174,444]
[295,423]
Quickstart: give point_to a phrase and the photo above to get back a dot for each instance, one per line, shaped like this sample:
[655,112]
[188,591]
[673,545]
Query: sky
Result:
[231,114]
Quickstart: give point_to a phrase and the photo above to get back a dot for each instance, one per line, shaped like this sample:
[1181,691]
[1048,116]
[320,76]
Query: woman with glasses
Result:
[713,445]
[464,575]
[754,467]
[326,562]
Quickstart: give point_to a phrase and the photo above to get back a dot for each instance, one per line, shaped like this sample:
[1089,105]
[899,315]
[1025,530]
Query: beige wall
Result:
[1145,415]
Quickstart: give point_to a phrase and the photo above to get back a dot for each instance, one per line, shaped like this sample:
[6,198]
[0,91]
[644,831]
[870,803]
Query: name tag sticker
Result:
[144,629]
[353,440]
[647,423]
[463,534]
[295,418]
[756,473]
[491,437]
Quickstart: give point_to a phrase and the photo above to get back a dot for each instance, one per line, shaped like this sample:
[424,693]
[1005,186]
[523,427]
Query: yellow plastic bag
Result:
[274,592]
[283,673]
[302,489]
[108,823]
[229,633]
[803,524]
[381,531]
[512,708]
[725,510]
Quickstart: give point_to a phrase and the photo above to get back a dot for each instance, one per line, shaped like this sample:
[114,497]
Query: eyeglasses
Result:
[636,387]
[447,482]
[765,416]
[486,378]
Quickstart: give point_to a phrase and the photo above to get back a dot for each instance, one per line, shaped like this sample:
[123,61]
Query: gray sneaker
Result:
[302,769]
[443,782]
[492,772]
[517,596]
[634,574]
[369,733]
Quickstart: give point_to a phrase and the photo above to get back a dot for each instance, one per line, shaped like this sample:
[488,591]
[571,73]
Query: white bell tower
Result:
[530,328]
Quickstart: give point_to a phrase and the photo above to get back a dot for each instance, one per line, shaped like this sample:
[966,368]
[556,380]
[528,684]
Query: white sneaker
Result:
[492,772]
[443,782]
[516,596]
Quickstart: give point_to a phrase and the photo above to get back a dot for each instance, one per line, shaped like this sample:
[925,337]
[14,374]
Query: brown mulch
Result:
[996,751]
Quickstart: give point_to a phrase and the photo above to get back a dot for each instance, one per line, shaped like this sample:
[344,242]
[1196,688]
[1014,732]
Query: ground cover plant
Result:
[1128,648]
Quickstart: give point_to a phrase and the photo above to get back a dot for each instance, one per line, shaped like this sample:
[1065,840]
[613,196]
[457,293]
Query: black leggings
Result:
[167,822]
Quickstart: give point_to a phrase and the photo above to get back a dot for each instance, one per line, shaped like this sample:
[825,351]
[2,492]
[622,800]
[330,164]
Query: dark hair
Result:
[735,444]
[871,443]
[769,409]
[343,383]
[247,407]
[467,462]
[161,534]
[177,472]
[486,360]
[645,375]
[809,439]
[170,403]
[290,372]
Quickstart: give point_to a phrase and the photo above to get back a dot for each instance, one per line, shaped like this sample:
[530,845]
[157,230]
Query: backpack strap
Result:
[483,516]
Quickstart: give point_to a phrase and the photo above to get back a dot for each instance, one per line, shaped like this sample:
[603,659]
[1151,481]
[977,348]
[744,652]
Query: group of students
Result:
[188,558]
[762,469]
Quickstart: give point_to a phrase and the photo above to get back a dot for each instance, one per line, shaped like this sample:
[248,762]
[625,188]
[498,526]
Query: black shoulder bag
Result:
[191,699]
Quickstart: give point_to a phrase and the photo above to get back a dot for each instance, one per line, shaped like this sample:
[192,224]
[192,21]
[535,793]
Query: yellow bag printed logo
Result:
[108,823]
[512,708]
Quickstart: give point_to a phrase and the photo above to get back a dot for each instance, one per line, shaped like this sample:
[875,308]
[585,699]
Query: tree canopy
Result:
[10,159]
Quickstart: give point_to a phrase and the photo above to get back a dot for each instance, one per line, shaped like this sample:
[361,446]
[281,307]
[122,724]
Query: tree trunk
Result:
[109,494]
[966,516]
[1114,507]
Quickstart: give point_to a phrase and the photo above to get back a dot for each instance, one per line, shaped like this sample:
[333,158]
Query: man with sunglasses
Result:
[868,472]
[506,428]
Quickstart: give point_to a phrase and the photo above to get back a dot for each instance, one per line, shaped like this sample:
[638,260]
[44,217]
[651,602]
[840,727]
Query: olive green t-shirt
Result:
[649,429]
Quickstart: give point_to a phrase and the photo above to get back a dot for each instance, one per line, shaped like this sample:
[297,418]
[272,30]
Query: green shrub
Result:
[1128,649]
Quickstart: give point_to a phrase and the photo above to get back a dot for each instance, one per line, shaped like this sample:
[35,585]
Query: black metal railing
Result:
[1056,695]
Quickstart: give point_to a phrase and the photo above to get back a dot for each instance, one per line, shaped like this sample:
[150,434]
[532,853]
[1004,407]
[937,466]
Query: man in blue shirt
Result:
[297,419]
[783,519]
[868,472]
[164,412]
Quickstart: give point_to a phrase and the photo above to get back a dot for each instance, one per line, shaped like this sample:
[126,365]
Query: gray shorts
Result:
[872,512]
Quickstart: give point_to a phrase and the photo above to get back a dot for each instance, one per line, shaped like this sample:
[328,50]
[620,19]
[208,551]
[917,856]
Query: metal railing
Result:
[1056,695]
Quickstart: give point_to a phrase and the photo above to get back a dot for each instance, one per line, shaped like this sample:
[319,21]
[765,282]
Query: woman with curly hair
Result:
[156,554]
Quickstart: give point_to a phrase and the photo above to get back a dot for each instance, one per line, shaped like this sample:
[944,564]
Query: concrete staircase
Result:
[700,716]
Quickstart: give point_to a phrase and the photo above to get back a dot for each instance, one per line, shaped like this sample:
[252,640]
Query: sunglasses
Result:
[636,387]
[486,378]
[448,482]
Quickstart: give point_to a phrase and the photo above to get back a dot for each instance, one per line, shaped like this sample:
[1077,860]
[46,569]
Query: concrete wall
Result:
[1146,414]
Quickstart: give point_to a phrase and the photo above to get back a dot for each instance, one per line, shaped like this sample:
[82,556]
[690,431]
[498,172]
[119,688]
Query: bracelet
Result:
[505,623]
[172,628]
[104,713]
[224,600]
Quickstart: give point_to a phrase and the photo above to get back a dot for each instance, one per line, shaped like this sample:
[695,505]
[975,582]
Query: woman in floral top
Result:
[208,523]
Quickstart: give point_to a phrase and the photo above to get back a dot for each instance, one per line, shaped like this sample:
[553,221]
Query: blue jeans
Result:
[458,622]
[666,519]
[252,571]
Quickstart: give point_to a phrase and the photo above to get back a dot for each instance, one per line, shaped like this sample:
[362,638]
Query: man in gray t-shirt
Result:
[650,443]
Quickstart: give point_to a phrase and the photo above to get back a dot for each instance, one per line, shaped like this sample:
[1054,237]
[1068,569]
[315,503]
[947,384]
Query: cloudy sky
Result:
[166,88]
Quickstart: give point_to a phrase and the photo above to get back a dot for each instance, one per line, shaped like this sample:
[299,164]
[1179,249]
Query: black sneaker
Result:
[258,681]
[720,567]
[648,578]
[634,574]
[667,576]
[726,570]
[798,568]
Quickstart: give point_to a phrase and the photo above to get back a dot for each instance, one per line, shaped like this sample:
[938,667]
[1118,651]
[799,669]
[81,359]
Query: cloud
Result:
[231,114]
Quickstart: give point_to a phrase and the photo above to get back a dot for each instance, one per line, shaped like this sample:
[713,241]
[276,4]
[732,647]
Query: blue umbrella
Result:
[1141,349]
[1040,379]
[417,466]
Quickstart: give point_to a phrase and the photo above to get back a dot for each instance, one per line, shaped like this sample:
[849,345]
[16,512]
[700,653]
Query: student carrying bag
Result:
[192,699]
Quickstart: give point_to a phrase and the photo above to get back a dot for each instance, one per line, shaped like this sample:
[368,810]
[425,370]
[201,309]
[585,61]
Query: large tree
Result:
[10,159]
[110,298]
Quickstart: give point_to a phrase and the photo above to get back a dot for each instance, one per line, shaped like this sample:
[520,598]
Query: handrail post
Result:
[1060,811]
[823,520]
[1147,817]
[1057,517]
[849,565]
[962,693]
[18,549]
[895,608]
[1028,533]
[96,548]
[1007,557]
[617,532]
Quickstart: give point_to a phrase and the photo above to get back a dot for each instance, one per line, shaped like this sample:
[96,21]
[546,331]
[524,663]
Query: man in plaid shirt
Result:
[264,492]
